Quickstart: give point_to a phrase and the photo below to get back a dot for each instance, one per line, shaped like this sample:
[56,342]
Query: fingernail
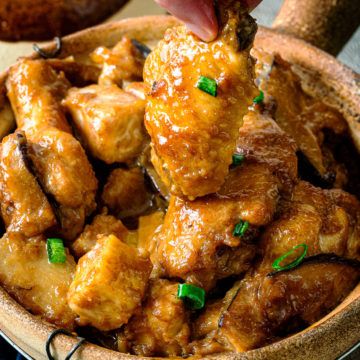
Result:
[202,33]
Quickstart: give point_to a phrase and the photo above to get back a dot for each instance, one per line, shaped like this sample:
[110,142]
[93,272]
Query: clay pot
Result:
[44,19]
[323,75]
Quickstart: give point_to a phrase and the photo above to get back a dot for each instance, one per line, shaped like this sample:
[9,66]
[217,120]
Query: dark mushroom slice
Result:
[24,206]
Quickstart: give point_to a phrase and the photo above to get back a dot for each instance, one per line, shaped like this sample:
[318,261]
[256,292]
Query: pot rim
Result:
[322,337]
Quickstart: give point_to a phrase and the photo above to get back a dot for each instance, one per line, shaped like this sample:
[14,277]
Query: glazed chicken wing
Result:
[326,220]
[109,120]
[60,163]
[24,207]
[196,242]
[269,306]
[35,91]
[193,133]
[162,326]
[66,175]
[27,274]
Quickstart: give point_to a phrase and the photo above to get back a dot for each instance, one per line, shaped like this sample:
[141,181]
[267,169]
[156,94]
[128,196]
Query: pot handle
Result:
[327,24]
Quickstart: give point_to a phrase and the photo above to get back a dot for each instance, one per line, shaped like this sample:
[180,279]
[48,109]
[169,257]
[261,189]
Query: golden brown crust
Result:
[193,133]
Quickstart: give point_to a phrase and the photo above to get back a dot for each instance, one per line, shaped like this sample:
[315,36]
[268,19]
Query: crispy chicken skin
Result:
[38,285]
[35,91]
[161,328]
[193,134]
[122,62]
[109,121]
[102,224]
[109,283]
[24,207]
[269,306]
[196,242]
[125,193]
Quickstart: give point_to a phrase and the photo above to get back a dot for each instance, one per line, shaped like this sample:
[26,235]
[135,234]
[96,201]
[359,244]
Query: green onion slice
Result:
[207,85]
[55,250]
[276,264]
[237,159]
[192,295]
[260,98]
[240,228]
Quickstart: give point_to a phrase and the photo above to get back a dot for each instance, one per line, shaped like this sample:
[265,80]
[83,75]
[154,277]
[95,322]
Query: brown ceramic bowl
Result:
[44,19]
[324,340]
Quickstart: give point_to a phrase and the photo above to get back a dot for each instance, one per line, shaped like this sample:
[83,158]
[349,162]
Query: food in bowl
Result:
[134,257]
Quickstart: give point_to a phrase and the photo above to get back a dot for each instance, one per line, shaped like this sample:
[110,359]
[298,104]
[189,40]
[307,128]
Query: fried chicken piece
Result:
[193,133]
[326,220]
[264,307]
[109,121]
[122,62]
[161,328]
[304,118]
[125,193]
[267,307]
[262,141]
[109,284]
[24,207]
[38,285]
[102,224]
[35,91]
[196,242]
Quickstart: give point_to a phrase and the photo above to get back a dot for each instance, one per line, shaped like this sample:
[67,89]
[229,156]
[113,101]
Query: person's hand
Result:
[198,15]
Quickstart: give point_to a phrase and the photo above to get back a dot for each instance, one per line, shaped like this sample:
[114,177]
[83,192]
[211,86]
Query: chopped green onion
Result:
[237,159]
[240,228]
[276,264]
[260,98]
[192,295]
[207,85]
[55,250]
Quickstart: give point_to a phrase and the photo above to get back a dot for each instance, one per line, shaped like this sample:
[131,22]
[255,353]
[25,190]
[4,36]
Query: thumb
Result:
[198,15]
